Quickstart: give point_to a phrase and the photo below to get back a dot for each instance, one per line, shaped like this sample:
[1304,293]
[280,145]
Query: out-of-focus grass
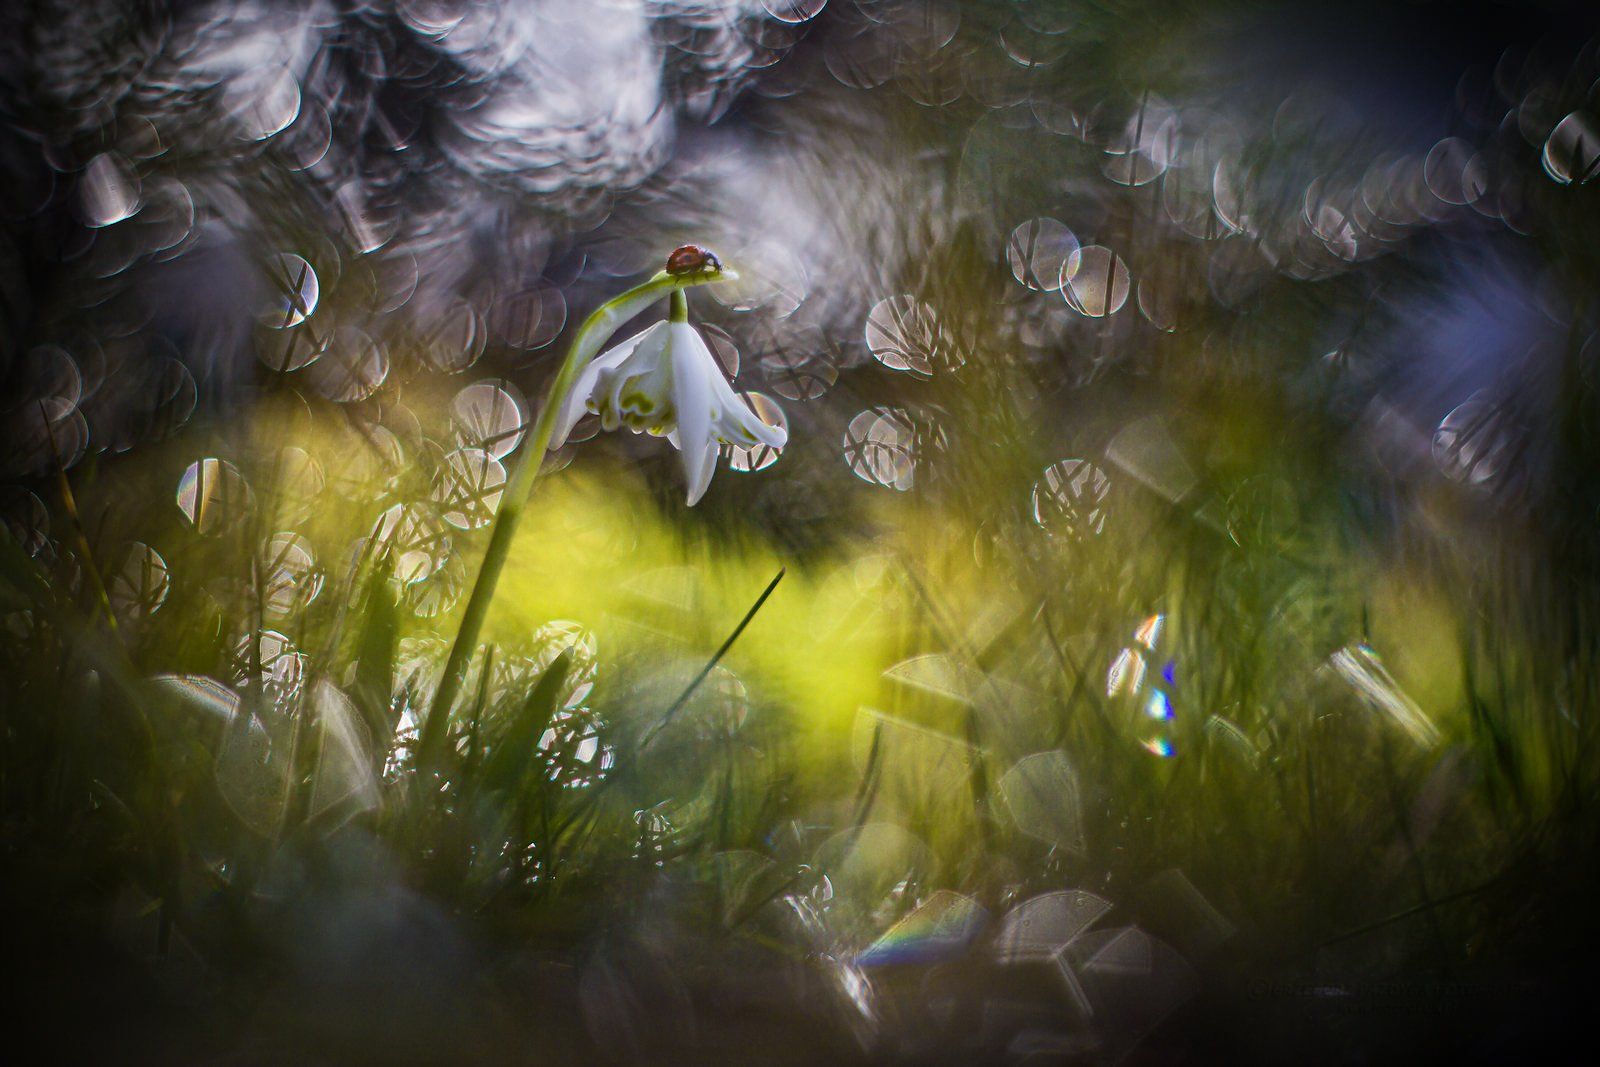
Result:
[1379,754]
[870,739]
[885,693]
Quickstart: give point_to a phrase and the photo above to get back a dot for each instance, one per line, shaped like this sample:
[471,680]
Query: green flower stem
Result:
[599,326]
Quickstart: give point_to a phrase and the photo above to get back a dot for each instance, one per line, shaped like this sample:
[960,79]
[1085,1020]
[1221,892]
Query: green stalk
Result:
[599,326]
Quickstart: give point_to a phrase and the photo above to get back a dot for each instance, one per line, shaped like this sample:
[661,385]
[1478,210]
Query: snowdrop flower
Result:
[664,381]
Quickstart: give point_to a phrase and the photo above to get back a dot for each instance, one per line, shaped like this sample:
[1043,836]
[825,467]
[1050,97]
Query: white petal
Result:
[573,404]
[691,387]
[700,480]
[737,420]
[644,369]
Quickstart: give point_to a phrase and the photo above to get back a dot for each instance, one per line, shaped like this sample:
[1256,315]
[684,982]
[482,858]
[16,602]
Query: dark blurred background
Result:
[1190,600]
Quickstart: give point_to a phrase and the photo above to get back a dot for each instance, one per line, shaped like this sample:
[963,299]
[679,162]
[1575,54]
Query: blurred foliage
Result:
[1170,626]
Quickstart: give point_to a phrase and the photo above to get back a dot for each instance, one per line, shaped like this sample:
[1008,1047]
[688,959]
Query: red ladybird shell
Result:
[689,259]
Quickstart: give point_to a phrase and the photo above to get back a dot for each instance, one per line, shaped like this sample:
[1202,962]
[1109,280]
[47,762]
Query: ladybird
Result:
[691,259]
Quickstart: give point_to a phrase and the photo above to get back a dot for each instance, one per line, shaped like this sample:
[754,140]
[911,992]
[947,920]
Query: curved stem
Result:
[599,326]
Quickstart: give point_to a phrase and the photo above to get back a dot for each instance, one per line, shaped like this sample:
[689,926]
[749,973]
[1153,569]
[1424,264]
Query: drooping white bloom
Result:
[664,381]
